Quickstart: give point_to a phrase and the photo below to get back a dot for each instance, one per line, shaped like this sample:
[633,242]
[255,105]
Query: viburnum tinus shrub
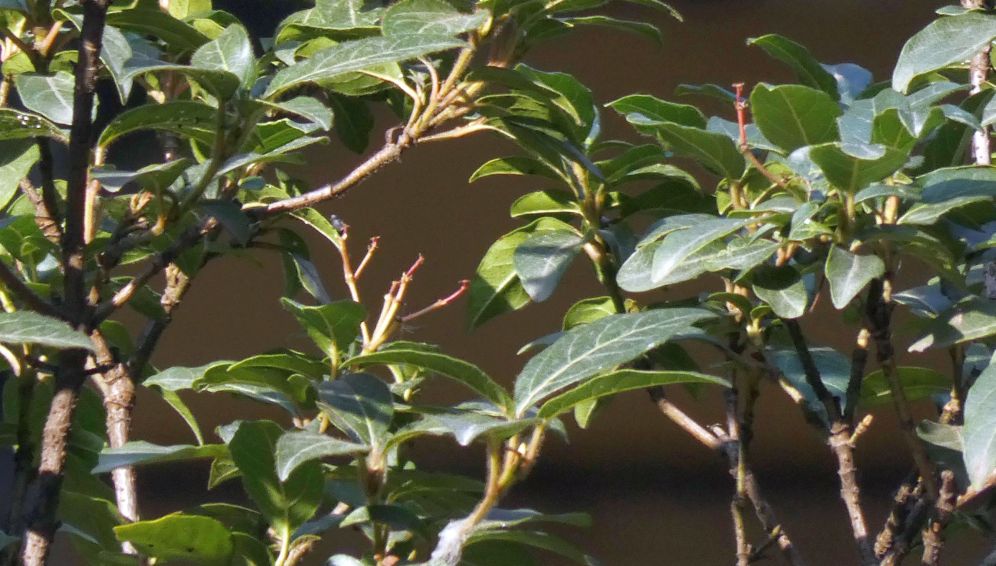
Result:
[837,189]
[82,239]
[820,191]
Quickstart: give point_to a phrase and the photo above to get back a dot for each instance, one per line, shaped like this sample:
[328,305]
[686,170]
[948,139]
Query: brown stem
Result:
[49,196]
[978,74]
[840,445]
[734,449]
[48,225]
[878,312]
[933,535]
[43,494]
[902,504]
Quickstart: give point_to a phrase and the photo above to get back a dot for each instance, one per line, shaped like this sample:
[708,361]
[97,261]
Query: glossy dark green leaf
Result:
[17,125]
[918,383]
[714,151]
[851,168]
[956,182]
[356,16]
[352,56]
[676,249]
[185,118]
[288,360]
[971,319]
[593,348]
[979,432]
[286,504]
[545,203]
[514,165]
[617,382]
[645,29]
[17,157]
[540,540]
[588,310]
[114,53]
[782,289]
[48,95]
[433,17]
[834,368]
[793,116]
[849,273]
[231,51]
[180,537]
[800,60]
[543,258]
[360,405]
[294,448]
[27,327]
[397,517]
[465,426]
[139,452]
[645,111]
[945,41]
[332,327]
[148,18]
[453,368]
[496,287]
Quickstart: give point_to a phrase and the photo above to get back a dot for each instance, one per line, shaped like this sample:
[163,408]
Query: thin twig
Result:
[933,535]
[840,444]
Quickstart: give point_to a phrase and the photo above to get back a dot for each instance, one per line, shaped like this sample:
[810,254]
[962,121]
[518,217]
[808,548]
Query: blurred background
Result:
[656,496]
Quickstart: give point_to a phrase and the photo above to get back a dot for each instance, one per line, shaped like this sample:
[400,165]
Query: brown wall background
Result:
[656,496]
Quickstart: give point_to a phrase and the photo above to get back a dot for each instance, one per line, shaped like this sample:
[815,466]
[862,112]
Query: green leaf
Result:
[849,273]
[286,504]
[971,319]
[173,400]
[617,382]
[115,52]
[945,41]
[297,447]
[289,360]
[645,112]
[356,16]
[464,425]
[190,538]
[16,160]
[715,151]
[49,95]
[543,258]
[678,247]
[496,287]
[353,122]
[646,29]
[950,183]
[148,19]
[588,310]
[593,348]
[918,383]
[433,17]
[850,168]
[219,82]
[782,288]
[835,372]
[184,118]
[800,60]
[332,327]
[357,55]
[793,116]
[545,202]
[6,539]
[979,432]
[453,368]
[360,405]
[231,51]
[17,125]
[308,108]
[541,540]
[182,9]
[139,452]
[27,327]
[514,165]
[179,377]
